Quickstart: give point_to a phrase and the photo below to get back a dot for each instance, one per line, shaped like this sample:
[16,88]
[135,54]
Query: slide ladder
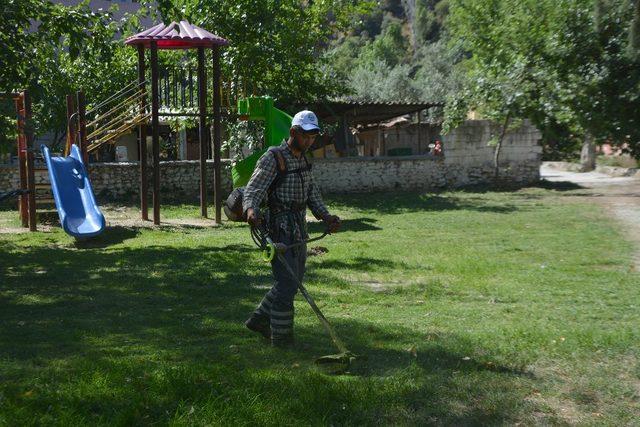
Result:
[116,116]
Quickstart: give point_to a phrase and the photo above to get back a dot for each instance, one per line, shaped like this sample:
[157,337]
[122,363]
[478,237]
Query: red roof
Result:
[176,36]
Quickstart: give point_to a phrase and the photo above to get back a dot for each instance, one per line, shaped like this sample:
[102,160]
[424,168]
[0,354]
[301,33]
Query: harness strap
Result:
[277,208]
[277,154]
[282,171]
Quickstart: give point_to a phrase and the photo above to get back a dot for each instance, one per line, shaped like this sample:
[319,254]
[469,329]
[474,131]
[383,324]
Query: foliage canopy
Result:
[561,62]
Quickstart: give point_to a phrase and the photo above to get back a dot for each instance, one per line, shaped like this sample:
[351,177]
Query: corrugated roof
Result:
[182,35]
[364,113]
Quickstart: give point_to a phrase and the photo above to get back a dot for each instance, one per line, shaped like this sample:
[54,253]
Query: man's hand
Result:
[332,222]
[253,217]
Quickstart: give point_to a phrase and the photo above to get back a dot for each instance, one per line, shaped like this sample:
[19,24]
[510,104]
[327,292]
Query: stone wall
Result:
[9,178]
[467,160]
[179,180]
[469,157]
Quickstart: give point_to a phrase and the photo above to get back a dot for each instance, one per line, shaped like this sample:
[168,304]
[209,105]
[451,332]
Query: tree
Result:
[554,61]
[399,64]
[377,81]
[633,49]
[275,45]
[343,55]
[501,79]
[56,50]
[389,47]
[437,76]
[429,20]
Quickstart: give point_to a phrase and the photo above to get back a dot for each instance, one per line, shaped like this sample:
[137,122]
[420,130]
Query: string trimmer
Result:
[336,363]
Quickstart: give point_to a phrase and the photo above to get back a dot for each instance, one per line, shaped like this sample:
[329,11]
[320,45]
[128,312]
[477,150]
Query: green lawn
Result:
[467,307]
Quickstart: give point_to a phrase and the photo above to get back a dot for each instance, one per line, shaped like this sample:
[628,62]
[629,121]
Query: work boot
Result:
[259,324]
[282,341]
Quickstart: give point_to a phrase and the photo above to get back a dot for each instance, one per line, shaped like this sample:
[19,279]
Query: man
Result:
[288,195]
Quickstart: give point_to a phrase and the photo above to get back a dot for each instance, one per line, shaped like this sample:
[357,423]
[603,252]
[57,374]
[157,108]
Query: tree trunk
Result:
[496,154]
[588,154]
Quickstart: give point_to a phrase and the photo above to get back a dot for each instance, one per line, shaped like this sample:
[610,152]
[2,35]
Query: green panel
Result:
[241,171]
[279,124]
[276,128]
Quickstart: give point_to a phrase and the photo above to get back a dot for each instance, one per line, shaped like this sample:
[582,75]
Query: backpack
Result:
[233,207]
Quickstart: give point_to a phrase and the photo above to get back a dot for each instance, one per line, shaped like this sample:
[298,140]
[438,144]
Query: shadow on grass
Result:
[144,335]
[110,236]
[398,202]
[513,187]
[558,185]
[358,264]
[351,224]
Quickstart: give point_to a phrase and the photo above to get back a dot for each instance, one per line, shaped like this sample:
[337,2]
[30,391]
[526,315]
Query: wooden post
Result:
[419,133]
[71,128]
[384,143]
[22,160]
[154,132]
[217,166]
[142,137]
[82,128]
[31,182]
[345,136]
[202,130]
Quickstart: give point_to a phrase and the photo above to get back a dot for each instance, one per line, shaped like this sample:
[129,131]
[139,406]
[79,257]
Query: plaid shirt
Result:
[293,189]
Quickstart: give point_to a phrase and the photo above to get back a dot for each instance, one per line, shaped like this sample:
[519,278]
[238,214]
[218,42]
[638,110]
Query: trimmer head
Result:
[336,363]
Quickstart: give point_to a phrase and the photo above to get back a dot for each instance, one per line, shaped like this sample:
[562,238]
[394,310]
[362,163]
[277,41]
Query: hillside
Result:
[399,51]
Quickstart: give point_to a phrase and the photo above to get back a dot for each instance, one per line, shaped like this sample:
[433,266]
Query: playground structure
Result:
[177,36]
[69,183]
[127,110]
[131,109]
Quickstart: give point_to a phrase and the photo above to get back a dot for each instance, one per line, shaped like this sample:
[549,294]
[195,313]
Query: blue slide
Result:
[79,214]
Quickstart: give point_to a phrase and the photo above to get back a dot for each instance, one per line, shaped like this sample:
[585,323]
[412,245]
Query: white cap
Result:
[306,119]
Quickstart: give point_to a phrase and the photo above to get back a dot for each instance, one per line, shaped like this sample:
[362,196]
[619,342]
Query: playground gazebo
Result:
[176,36]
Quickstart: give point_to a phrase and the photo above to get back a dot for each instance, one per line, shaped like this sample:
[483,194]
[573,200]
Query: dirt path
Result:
[620,195]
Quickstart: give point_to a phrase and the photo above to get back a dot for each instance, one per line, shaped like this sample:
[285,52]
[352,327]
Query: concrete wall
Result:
[466,160]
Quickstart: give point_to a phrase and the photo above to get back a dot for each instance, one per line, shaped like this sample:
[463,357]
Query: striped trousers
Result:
[277,304]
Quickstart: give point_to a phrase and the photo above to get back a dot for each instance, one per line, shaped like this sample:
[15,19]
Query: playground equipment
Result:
[276,128]
[130,108]
[77,208]
[133,107]
[177,36]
